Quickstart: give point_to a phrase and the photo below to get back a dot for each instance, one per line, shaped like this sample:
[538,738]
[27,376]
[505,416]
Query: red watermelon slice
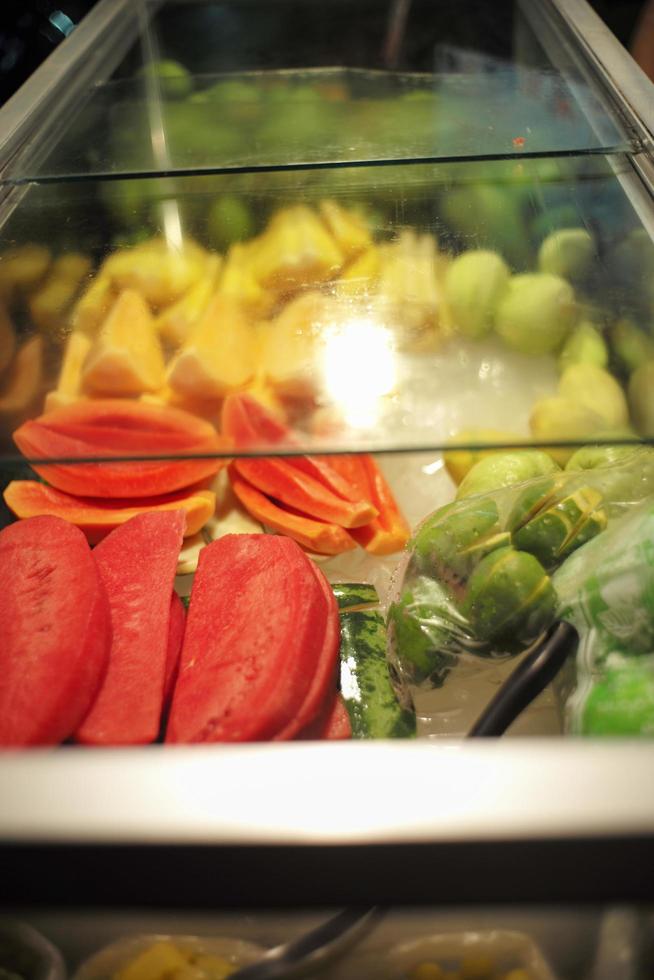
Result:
[137,563]
[55,631]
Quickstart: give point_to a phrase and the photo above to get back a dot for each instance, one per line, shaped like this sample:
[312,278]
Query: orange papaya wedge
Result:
[317,536]
[284,482]
[251,426]
[96,518]
[389,531]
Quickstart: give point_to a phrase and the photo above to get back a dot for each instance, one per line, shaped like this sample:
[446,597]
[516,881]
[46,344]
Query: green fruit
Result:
[554,219]
[558,530]
[563,420]
[510,598]
[568,253]
[585,345]
[449,543]
[173,79]
[590,457]
[631,345]
[229,220]
[622,703]
[473,286]
[237,101]
[424,623]
[489,216]
[536,312]
[505,470]
[641,398]
[598,390]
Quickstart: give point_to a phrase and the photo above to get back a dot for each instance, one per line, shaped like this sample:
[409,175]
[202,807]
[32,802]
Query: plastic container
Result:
[507,951]
[27,954]
[109,960]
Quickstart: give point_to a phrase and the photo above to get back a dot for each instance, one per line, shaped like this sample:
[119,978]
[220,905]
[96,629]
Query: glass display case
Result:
[363,288]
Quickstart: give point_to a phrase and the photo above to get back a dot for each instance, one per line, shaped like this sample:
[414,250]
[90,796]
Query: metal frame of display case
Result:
[330,823]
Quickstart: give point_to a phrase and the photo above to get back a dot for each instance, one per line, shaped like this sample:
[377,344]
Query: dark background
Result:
[31,29]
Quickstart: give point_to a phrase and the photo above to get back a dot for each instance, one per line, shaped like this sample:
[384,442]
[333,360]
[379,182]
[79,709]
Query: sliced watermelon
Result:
[176,627]
[56,631]
[325,670]
[137,563]
[254,635]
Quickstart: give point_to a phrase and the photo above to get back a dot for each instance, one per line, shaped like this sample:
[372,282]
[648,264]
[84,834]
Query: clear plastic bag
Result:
[477,587]
[606,590]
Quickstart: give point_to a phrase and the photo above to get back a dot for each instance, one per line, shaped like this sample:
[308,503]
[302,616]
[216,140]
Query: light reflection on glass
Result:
[359,368]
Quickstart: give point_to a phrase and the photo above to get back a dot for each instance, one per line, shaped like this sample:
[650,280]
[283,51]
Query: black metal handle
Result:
[531,676]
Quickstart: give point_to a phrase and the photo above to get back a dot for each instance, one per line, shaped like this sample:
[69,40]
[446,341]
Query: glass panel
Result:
[353,302]
[215,86]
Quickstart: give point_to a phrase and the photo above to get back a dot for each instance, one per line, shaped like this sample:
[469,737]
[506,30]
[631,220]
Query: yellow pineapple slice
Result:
[360,276]
[239,281]
[349,230]
[70,376]
[22,268]
[176,321]
[220,354]
[408,295]
[94,304]
[295,251]
[292,343]
[127,358]
[49,304]
[161,274]
[22,387]
[156,962]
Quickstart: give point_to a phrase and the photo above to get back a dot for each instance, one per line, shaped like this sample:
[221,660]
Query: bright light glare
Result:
[359,367]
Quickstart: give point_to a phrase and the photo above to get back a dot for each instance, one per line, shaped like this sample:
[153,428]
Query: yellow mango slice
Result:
[7,339]
[239,281]
[49,304]
[69,386]
[295,251]
[177,320]
[220,355]
[161,274]
[23,268]
[93,305]
[154,963]
[22,387]
[291,345]
[127,358]
[349,230]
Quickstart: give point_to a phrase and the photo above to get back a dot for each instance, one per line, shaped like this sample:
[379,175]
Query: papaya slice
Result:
[137,563]
[97,518]
[389,531]
[324,674]
[250,425]
[254,634]
[286,483]
[176,627]
[102,429]
[150,421]
[56,631]
[316,536]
